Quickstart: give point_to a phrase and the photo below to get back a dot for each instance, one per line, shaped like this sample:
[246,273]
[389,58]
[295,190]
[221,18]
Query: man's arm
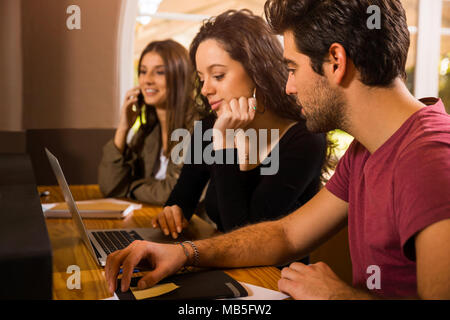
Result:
[318,281]
[433,261]
[277,242]
[266,243]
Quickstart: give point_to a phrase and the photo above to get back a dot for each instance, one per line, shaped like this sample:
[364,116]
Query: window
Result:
[146,9]
[411,8]
[181,20]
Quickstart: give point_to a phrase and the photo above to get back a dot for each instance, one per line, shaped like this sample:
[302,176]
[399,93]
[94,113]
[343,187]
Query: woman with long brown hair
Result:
[140,168]
[241,77]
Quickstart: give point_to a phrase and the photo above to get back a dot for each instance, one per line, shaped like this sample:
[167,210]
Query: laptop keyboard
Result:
[111,241]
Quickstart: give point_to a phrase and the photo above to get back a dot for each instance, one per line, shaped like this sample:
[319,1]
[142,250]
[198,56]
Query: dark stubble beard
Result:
[325,108]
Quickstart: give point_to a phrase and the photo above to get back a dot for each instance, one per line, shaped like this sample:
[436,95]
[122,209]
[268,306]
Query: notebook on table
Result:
[201,285]
[108,208]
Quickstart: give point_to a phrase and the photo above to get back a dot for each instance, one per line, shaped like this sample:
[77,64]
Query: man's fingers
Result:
[286,286]
[290,274]
[131,261]
[112,268]
[321,265]
[298,266]
[151,278]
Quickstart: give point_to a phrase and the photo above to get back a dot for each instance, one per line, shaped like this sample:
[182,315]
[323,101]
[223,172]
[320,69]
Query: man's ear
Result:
[336,66]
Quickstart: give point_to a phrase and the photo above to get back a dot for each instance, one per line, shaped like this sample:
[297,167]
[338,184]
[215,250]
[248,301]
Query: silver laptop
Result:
[100,243]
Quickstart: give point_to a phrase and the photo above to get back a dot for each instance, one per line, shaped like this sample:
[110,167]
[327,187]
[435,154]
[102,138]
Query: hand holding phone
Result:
[130,108]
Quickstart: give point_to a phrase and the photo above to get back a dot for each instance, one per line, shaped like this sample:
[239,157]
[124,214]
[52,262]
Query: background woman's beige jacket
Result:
[131,174]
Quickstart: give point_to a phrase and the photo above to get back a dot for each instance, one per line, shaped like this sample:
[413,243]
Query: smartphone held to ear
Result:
[137,106]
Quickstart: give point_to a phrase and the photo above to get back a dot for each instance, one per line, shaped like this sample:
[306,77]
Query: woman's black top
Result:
[235,198]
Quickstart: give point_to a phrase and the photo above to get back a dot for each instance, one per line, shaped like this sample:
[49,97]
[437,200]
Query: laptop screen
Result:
[76,217]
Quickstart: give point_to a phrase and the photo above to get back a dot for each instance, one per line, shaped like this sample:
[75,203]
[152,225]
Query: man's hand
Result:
[163,259]
[315,282]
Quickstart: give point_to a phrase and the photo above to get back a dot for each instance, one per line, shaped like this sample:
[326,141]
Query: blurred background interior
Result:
[63,89]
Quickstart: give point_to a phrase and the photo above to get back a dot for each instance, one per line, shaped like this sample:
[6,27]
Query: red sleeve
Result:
[421,187]
[339,182]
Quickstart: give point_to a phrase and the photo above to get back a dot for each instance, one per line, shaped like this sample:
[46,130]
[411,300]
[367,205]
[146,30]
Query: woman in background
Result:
[136,165]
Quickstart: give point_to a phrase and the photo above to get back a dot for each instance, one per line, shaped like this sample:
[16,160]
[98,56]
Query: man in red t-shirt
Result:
[391,187]
[393,194]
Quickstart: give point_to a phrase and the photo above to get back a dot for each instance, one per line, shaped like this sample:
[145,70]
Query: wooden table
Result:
[68,248]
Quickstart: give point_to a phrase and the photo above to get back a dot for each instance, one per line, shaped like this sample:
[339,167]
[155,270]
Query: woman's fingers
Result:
[252,105]
[170,221]
[234,115]
[242,112]
[235,111]
[178,218]
[128,115]
[163,223]
[131,98]
[132,94]
[244,109]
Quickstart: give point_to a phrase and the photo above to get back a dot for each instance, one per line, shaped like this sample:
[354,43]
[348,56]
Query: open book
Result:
[101,208]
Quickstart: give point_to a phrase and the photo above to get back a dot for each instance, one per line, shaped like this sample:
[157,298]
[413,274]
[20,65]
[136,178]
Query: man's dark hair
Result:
[378,54]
